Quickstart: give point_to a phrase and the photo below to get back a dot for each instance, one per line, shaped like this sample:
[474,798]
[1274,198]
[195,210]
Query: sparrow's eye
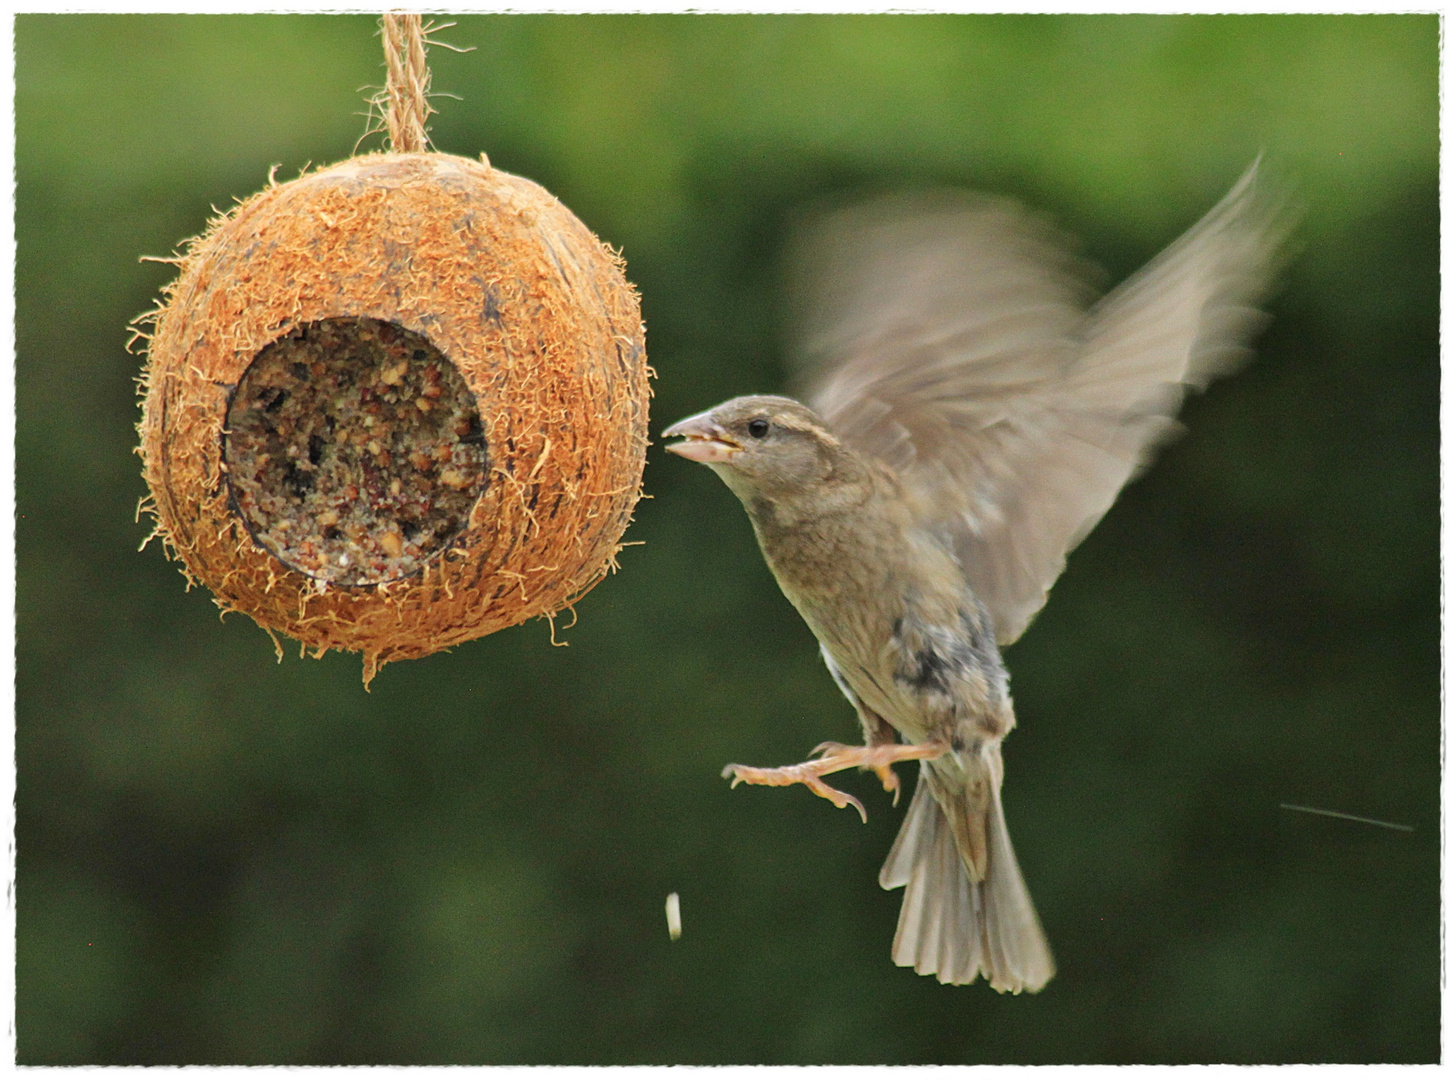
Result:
[758,427]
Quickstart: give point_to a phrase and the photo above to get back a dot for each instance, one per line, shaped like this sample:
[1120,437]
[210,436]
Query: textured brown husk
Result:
[531,308]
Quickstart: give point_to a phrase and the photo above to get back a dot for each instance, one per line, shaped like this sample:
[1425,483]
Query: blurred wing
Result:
[948,336]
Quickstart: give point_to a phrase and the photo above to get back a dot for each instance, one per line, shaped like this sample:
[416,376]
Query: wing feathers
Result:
[949,336]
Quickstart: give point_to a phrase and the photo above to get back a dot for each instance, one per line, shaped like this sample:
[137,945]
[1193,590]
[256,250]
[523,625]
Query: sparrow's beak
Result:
[703,438]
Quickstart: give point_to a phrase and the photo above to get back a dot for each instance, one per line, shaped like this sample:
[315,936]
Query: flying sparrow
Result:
[973,416]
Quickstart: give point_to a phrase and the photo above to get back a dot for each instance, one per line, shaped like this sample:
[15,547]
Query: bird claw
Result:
[878,763]
[890,781]
[830,757]
[807,774]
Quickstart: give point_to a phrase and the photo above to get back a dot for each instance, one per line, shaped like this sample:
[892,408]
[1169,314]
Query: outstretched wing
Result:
[949,335]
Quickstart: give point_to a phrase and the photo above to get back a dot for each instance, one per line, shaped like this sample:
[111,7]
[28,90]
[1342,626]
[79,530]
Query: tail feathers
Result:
[954,928]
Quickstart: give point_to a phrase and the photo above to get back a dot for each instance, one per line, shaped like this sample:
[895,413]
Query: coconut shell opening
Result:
[354,450]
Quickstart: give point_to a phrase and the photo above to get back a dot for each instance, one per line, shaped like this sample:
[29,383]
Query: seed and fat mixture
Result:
[354,450]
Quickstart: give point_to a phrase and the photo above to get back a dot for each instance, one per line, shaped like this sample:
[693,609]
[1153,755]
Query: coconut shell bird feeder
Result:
[397,403]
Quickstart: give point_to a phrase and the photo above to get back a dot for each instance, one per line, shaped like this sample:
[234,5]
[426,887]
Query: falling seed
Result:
[674,916]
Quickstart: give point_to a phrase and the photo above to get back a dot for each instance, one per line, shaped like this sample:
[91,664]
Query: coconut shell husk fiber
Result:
[531,309]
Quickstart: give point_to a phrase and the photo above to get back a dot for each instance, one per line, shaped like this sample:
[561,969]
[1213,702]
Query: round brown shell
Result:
[529,306]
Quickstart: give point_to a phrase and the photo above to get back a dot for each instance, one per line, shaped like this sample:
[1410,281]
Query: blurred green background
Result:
[224,859]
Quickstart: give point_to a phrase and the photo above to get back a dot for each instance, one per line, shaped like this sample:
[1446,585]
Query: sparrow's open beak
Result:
[703,440]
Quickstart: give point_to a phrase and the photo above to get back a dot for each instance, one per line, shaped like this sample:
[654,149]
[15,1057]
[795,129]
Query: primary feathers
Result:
[949,335]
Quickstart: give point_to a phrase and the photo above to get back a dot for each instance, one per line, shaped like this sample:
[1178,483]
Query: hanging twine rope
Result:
[408,86]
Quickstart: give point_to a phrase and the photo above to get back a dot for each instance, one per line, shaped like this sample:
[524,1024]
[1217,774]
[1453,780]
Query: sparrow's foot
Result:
[834,757]
[807,774]
[889,779]
[880,758]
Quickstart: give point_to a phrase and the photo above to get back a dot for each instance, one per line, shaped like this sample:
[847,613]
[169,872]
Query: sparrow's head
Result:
[762,446]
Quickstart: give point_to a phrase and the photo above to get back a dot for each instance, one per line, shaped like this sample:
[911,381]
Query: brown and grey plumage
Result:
[972,418]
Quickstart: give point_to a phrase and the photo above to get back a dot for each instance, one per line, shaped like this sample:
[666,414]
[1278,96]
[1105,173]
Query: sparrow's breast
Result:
[891,607]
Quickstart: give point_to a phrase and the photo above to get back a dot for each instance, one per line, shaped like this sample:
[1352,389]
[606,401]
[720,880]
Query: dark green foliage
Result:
[222,859]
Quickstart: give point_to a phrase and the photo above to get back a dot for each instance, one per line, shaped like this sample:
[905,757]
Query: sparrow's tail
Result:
[955,928]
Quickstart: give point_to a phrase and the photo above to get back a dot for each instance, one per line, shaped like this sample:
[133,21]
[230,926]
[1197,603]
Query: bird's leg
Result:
[878,732]
[833,757]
